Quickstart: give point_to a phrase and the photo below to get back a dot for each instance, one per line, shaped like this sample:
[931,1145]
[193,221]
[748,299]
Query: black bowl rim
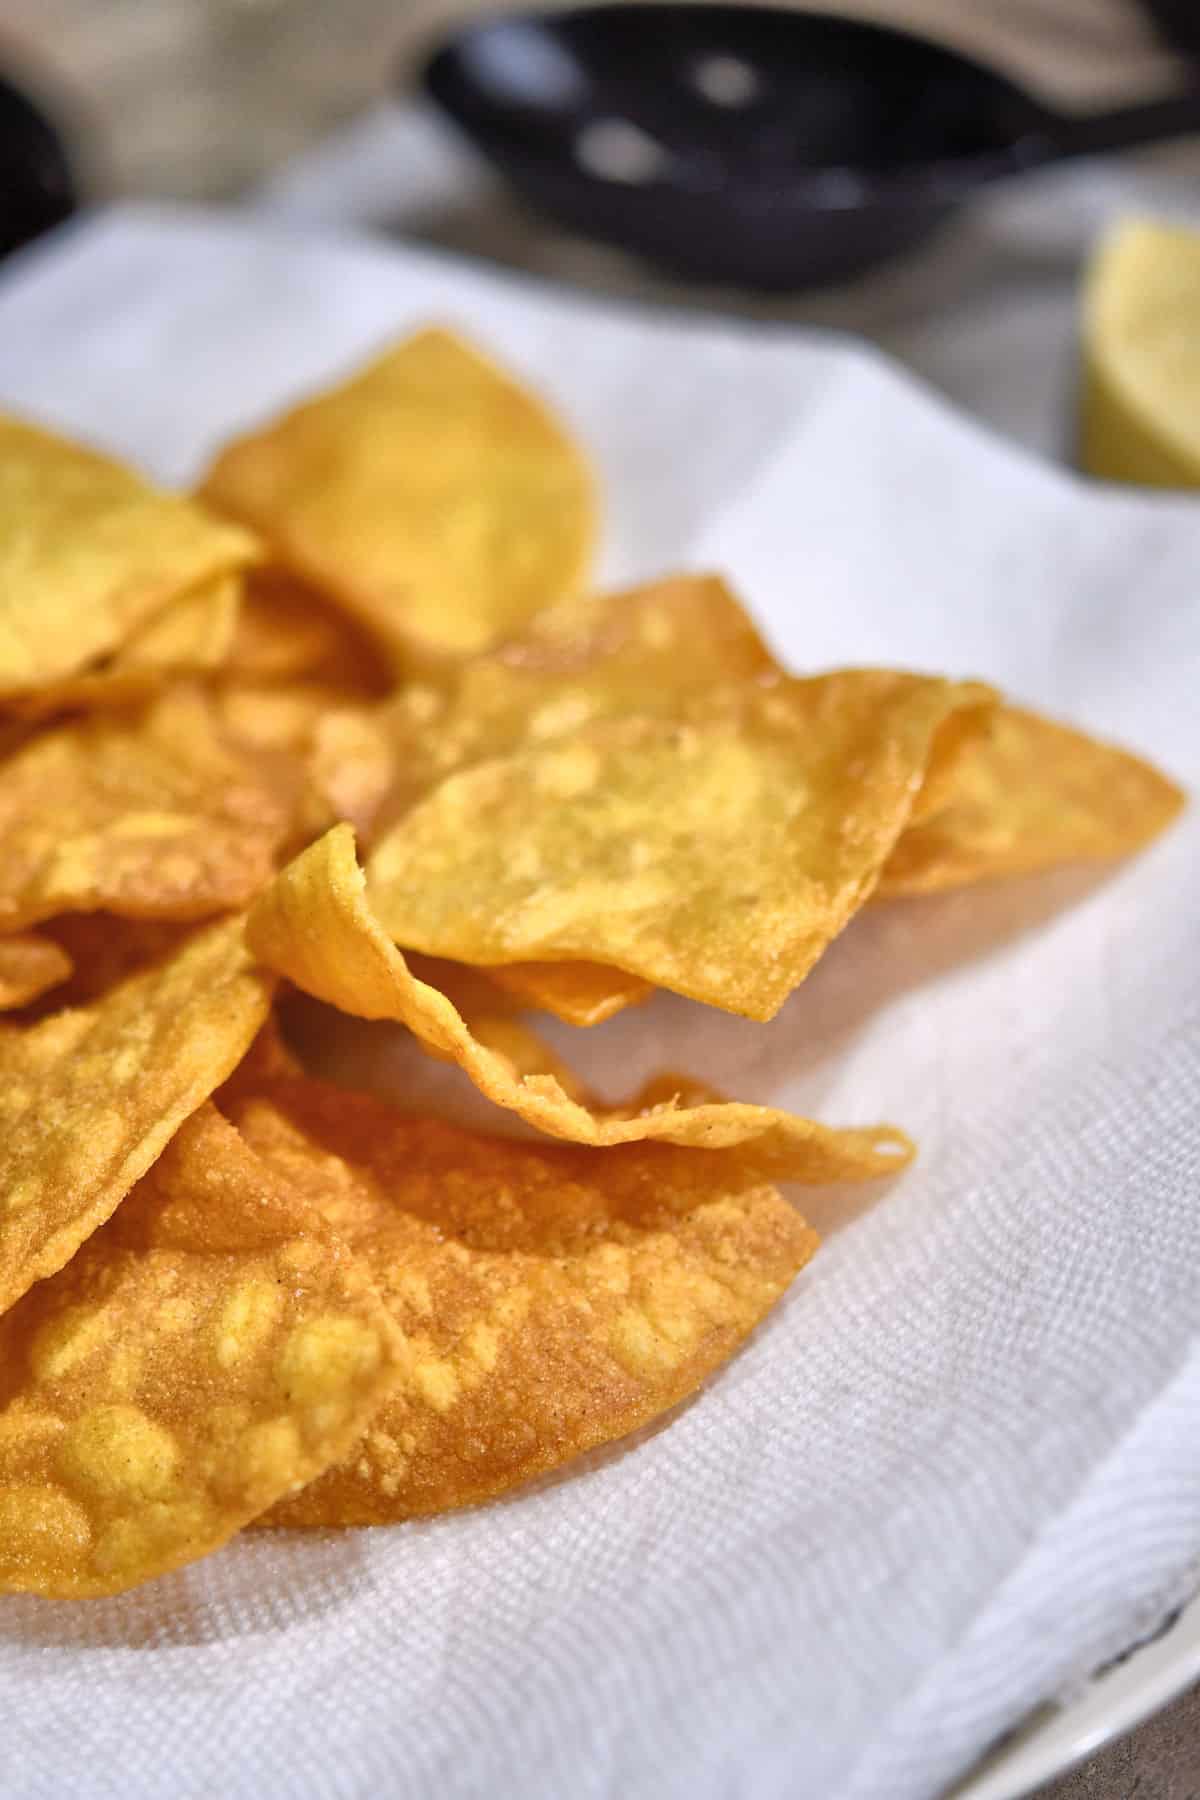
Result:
[939,181]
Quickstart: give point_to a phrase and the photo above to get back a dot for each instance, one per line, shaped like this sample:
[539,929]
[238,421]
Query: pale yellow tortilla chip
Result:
[717,857]
[551,1298]
[150,813]
[91,1095]
[208,1352]
[89,553]
[29,966]
[1031,795]
[430,495]
[650,650]
[193,635]
[313,924]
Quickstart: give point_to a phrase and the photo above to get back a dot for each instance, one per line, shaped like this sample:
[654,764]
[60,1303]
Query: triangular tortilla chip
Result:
[314,925]
[430,495]
[1031,795]
[717,857]
[89,553]
[91,1095]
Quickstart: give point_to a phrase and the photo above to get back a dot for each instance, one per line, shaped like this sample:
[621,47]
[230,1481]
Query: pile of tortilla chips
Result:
[354,721]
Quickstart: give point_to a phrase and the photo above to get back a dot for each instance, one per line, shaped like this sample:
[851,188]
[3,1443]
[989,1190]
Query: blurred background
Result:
[201,99]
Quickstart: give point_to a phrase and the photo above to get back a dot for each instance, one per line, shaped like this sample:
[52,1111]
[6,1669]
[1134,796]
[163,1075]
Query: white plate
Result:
[1057,1738]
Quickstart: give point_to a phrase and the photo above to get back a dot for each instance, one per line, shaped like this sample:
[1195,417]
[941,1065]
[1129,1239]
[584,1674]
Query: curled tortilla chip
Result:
[192,636]
[551,1298]
[29,966]
[151,814]
[89,553]
[646,650]
[1030,795]
[313,924]
[90,1096]
[429,495]
[717,857]
[208,1352]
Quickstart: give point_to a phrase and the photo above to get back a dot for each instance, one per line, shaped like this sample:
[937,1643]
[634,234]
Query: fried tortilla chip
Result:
[288,631]
[647,650]
[551,1298]
[429,495]
[192,636]
[579,993]
[151,814]
[89,1097]
[313,924]
[1028,796]
[29,965]
[717,857]
[89,552]
[351,764]
[206,1354]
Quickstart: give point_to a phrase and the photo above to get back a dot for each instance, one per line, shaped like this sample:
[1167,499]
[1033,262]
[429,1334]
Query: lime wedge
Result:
[1140,402]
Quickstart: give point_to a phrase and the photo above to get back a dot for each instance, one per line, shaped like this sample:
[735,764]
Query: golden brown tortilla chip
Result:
[208,1352]
[1030,795]
[89,553]
[191,636]
[150,813]
[89,1097]
[653,650]
[429,495]
[551,1298]
[313,924]
[717,857]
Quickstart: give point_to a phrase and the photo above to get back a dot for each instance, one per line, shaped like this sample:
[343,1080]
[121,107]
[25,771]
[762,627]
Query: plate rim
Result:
[1057,1737]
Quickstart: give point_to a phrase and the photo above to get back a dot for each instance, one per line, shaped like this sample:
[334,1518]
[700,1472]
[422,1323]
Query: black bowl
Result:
[747,144]
[37,188]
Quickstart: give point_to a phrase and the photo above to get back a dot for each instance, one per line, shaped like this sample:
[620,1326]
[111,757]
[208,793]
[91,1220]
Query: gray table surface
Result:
[206,98]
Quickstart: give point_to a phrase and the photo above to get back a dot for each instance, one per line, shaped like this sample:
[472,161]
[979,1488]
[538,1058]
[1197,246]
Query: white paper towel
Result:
[963,1459]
